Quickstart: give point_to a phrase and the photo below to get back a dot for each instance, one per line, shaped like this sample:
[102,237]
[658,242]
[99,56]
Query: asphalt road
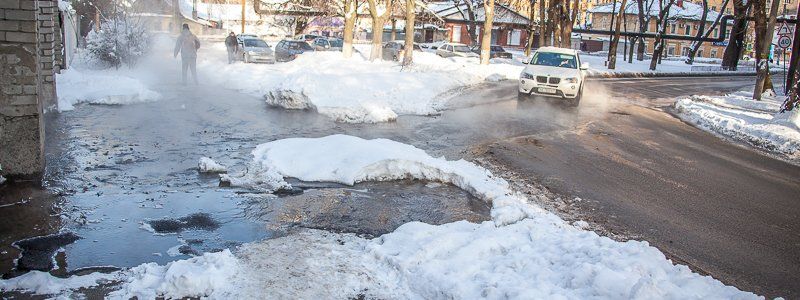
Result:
[723,209]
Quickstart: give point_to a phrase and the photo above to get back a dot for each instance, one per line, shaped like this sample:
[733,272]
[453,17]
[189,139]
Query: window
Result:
[714,53]
[456,34]
[688,30]
[671,51]
[672,28]
[700,53]
[514,37]
[714,7]
[716,32]
[727,11]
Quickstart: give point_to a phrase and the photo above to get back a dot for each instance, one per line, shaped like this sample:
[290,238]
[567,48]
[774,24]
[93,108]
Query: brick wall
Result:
[21,86]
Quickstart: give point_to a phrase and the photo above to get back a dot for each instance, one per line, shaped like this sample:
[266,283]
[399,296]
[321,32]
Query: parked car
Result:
[555,73]
[453,49]
[241,36]
[327,44]
[306,37]
[288,50]
[255,50]
[396,49]
[494,52]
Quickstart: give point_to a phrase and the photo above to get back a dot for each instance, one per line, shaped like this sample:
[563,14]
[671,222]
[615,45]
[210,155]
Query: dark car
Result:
[395,50]
[494,52]
[288,50]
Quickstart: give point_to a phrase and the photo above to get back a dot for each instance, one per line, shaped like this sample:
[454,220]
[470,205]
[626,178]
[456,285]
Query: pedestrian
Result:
[187,44]
[232,45]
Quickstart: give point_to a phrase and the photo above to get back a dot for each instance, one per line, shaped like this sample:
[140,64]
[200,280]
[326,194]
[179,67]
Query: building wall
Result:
[502,38]
[683,27]
[26,83]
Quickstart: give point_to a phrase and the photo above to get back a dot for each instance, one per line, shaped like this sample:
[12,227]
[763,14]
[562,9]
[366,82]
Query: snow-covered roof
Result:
[689,11]
[502,13]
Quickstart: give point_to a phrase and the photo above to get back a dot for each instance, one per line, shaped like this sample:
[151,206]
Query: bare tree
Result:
[612,48]
[764,28]
[486,39]
[409,43]
[663,20]
[379,10]
[544,24]
[531,24]
[696,45]
[569,13]
[467,10]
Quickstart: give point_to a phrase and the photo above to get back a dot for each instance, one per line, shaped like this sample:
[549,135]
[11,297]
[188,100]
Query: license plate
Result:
[547,90]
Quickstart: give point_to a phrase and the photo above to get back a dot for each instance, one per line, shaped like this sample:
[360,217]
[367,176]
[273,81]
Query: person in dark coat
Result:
[232,44]
[187,45]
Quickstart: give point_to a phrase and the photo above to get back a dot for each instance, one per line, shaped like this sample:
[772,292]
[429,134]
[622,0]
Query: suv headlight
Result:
[526,76]
[571,79]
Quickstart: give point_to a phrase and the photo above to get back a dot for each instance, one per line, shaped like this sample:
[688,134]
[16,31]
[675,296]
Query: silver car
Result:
[455,50]
[255,50]
[327,44]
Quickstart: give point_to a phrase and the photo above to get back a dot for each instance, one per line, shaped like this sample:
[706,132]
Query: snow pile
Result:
[349,160]
[523,252]
[208,165]
[208,275]
[740,117]
[100,87]
[356,90]
[42,283]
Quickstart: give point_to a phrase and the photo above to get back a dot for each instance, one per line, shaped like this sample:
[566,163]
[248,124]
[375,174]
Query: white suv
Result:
[553,72]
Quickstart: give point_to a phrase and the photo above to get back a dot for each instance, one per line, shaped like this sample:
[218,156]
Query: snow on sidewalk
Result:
[738,116]
[356,90]
[524,252]
[112,87]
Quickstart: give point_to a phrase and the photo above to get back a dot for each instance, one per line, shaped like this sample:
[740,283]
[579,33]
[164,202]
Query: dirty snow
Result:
[523,252]
[740,117]
[208,165]
[112,87]
[356,90]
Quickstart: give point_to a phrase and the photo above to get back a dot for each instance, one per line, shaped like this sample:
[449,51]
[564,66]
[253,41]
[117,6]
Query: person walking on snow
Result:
[231,44]
[187,44]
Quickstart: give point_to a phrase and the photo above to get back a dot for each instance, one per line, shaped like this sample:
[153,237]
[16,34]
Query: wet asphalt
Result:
[123,179]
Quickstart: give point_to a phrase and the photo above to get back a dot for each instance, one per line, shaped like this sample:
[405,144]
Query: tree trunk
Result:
[349,27]
[486,40]
[642,29]
[408,55]
[733,52]
[765,28]
[393,36]
[658,45]
[529,44]
[611,28]
[377,39]
[542,23]
[612,48]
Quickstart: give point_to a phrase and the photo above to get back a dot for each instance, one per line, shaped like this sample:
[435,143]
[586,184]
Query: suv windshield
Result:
[255,43]
[461,49]
[554,60]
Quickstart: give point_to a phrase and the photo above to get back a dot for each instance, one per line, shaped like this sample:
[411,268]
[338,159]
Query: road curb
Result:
[666,75]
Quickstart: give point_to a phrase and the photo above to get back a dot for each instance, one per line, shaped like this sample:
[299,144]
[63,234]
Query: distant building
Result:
[510,28]
[684,19]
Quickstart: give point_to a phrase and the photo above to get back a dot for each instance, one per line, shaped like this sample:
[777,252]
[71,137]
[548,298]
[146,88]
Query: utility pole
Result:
[244,3]
[795,58]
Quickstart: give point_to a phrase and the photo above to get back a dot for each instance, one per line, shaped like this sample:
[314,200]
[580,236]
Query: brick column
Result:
[47,70]
[21,112]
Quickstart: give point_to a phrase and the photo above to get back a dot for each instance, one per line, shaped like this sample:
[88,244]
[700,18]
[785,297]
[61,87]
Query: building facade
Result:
[510,28]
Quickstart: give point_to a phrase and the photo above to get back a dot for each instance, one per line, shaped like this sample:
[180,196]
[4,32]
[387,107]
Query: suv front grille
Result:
[555,80]
[541,79]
